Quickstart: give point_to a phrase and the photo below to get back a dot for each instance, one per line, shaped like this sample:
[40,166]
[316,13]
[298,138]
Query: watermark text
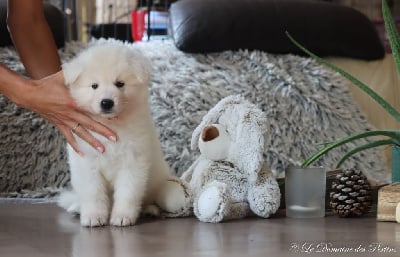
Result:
[328,248]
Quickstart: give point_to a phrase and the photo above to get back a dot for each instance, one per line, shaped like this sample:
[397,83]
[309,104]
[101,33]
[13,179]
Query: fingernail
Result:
[112,138]
[100,149]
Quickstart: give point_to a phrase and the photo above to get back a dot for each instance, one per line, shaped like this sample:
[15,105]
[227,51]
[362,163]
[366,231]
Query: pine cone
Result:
[351,194]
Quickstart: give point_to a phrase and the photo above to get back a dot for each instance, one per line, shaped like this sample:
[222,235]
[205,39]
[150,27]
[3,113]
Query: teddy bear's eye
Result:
[119,84]
[95,85]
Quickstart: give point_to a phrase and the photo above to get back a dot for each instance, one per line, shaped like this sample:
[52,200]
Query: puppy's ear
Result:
[71,72]
[140,65]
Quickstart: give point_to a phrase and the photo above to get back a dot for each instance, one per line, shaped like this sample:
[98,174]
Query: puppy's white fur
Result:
[113,186]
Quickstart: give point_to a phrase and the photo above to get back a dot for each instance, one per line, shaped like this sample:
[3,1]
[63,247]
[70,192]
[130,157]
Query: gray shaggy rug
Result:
[305,103]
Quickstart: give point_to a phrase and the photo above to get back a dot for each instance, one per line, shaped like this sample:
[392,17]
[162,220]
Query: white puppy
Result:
[109,81]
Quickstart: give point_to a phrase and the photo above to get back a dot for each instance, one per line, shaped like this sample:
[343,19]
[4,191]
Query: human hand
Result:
[50,98]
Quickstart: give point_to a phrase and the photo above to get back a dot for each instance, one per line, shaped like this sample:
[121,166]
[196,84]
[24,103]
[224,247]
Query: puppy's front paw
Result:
[94,219]
[123,218]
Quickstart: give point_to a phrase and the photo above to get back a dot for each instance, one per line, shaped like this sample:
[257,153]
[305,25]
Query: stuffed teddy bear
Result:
[230,179]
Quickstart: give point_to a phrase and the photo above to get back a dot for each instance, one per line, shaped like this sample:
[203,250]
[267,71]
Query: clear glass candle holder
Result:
[305,192]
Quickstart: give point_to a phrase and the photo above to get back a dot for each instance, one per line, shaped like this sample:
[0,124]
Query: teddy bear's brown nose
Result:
[209,133]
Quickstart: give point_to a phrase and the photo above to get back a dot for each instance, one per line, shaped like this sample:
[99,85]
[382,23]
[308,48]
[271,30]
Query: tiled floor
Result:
[46,230]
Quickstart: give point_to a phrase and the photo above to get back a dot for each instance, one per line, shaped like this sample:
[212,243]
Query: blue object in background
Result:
[395,163]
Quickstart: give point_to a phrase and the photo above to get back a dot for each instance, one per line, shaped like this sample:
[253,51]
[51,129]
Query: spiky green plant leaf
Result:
[393,134]
[364,147]
[392,32]
[388,107]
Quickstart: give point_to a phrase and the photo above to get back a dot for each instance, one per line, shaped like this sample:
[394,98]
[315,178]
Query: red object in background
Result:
[138,24]
[380,27]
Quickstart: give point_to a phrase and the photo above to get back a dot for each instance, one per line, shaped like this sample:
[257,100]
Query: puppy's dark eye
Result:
[119,84]
[95,85]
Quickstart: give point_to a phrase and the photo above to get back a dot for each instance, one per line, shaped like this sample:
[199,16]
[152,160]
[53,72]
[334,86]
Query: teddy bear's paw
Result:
[265,197]
[211,203]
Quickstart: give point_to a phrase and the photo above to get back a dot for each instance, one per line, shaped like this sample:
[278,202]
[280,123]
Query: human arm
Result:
[32,38]
[49,98]
[46,93]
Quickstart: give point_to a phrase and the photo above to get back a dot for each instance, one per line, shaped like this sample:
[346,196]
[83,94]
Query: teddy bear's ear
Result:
[213,115]
[249,140]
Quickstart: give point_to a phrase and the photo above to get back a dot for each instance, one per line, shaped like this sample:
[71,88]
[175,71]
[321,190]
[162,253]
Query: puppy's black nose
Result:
[107,104]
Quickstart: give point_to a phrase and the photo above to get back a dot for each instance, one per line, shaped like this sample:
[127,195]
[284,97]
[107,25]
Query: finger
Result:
[81,132]
[71,139]
[96,127]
